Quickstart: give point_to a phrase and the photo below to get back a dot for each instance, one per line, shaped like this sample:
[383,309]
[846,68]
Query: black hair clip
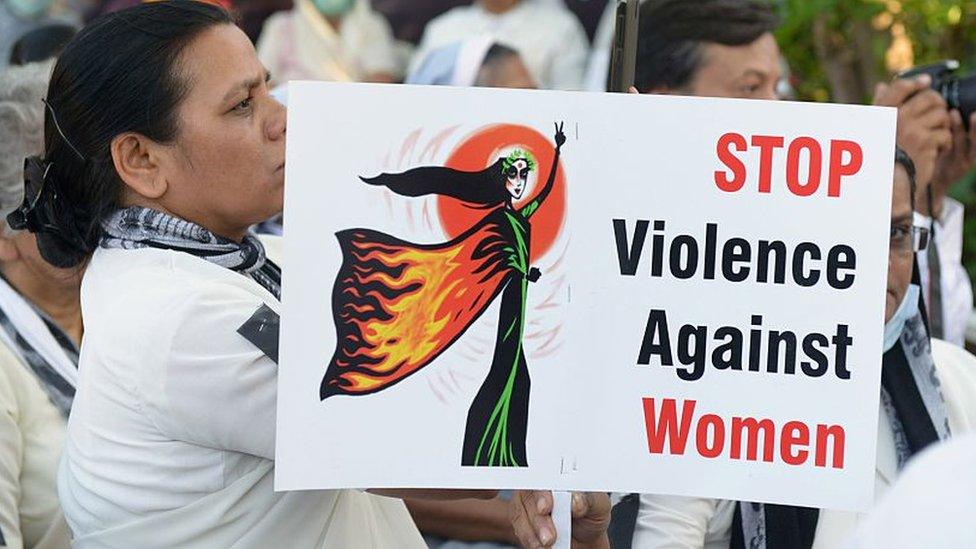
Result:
[35,178]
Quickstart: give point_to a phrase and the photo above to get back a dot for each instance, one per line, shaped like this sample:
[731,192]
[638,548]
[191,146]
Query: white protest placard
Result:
[687,299]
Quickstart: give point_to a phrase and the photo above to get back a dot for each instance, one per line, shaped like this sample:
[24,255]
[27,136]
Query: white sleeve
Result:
[218,389]
[424,47]
[378,54]
[957,288]
[598,66]
[269,45]
[11,456]
[569,58]
[675,522]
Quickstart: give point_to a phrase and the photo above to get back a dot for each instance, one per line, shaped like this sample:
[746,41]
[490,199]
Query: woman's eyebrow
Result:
[246,85]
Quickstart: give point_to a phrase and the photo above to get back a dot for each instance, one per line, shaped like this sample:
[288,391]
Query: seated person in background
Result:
[549,38]
[409,17]
[41,44]
[40,329]
[944,151]
[928,393]
[18,17]
[476,62]
[252,14]
[333,40]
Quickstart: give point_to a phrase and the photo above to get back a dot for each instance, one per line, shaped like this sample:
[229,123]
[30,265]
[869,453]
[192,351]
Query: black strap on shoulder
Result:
[262,331]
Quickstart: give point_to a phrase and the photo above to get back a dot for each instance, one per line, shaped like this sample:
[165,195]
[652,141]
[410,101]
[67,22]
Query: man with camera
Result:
[931,128]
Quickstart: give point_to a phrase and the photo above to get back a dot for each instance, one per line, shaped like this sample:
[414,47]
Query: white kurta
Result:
[300,44]
[679,522]
[171,438]
[957,289]
[31,436]
[549,38]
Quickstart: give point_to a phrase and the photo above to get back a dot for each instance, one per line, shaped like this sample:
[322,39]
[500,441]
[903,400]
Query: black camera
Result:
[958,91]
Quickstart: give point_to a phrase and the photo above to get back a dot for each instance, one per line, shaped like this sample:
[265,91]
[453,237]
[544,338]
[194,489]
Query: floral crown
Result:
[515,156]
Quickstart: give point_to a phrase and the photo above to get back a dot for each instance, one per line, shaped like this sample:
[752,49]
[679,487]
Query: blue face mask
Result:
[906,310]
[334,8]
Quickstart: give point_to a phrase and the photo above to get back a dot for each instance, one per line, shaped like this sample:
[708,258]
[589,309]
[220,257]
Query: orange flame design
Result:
[398,305]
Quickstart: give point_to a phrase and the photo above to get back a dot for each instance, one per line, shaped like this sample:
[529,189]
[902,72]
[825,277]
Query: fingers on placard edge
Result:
[522,524]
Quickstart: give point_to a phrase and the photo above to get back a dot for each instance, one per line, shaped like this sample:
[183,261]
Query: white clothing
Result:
[598,65]
[300,44]
[172,433]
[549,38]
[932,501]
[673,522]
[957,288]
[31,437]
[35,332]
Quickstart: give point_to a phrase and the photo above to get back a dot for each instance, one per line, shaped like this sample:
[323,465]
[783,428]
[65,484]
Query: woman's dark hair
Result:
[905,161]
[119,74]
[672,31]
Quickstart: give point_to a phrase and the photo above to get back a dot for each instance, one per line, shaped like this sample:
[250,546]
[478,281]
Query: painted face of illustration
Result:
[516,176]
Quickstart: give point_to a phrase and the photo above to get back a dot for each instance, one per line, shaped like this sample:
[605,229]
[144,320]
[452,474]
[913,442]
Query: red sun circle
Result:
[478,151]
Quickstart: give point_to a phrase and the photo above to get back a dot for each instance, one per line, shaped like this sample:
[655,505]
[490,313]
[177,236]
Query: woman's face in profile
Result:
[227,170]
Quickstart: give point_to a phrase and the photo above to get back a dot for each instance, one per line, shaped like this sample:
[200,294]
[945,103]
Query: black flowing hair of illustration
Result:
[484,188]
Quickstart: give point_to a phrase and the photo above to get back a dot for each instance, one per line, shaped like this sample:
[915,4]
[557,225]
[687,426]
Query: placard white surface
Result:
[626,158]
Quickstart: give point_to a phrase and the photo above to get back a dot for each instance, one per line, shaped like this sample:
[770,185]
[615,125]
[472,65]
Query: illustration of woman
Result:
[398,305]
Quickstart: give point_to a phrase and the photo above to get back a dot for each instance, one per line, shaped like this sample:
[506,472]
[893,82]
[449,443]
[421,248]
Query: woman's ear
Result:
[137,161]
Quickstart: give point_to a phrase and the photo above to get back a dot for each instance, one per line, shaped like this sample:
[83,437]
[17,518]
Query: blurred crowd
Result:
[717,48]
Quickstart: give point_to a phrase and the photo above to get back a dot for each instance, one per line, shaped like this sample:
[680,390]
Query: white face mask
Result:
[906,310]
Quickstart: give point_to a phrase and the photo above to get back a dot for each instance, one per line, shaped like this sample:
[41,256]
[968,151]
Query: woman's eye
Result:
[243,106]
[898,233]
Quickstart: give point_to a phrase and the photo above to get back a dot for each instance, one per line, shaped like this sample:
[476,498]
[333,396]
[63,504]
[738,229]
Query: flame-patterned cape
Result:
[398,305]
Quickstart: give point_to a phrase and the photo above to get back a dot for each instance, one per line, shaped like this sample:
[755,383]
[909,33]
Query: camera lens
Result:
[961,94]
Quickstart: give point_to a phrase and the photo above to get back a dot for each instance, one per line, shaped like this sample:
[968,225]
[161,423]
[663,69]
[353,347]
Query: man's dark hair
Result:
[672,31]
[905,161]
[496,53]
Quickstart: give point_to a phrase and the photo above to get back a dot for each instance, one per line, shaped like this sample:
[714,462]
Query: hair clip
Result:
[57,126]
[35,177]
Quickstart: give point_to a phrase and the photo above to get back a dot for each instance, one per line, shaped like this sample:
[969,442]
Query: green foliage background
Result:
[837,52]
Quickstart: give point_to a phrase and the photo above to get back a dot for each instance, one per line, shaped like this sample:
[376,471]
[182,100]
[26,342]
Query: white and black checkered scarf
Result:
[137,227]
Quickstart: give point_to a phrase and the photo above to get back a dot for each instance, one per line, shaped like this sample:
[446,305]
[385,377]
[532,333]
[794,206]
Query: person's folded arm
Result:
[466,520]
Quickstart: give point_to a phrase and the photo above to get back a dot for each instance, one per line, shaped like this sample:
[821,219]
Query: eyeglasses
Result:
[908,239]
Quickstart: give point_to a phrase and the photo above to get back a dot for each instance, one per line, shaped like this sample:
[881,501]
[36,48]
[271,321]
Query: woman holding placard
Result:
[162,146]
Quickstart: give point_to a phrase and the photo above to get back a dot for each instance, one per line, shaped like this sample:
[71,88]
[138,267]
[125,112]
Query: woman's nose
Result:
[277,122]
